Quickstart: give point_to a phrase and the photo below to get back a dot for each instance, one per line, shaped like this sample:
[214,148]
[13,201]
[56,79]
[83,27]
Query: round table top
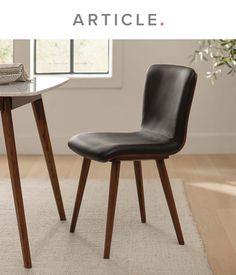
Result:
[36,86]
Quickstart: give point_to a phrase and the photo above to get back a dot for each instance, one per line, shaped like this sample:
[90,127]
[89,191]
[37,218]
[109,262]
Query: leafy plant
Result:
[221,53]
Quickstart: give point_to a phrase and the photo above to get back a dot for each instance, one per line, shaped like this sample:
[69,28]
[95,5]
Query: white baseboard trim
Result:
[196,144]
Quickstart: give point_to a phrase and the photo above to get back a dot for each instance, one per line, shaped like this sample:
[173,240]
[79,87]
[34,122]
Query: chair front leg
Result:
[170,199]
[114,180]
[80,192]
[139,183]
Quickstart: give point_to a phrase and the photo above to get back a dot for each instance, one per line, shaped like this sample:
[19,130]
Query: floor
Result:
[210,182]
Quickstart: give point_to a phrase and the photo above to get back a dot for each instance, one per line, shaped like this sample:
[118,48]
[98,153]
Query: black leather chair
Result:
[168,96]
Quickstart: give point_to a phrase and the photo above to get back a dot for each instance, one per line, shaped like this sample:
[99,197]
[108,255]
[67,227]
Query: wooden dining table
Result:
[13,96]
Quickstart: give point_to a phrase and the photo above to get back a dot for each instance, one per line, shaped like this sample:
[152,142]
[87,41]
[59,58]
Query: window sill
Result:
[93,82]
[88,81]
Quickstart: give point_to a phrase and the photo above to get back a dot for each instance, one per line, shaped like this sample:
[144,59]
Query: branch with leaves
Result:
[221,53]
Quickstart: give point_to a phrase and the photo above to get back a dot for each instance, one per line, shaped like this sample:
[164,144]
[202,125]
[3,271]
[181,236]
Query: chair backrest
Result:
[168,95]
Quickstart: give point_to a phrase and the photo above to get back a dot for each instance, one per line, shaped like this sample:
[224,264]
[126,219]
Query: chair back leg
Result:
[80,192]
[139,183]
[114,180]
[170,199]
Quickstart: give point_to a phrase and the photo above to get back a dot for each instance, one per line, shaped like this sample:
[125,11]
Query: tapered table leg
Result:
[15,179]
[41,122]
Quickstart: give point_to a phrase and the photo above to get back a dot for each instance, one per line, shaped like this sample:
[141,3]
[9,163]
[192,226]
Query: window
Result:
[96,74]
[6,51]
[71,57]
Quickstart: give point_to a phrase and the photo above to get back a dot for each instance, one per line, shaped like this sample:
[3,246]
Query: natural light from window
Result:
[72,56]
[6,51]
[88,63]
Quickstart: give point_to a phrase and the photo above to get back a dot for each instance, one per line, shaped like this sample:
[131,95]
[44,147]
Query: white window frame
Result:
[23,53]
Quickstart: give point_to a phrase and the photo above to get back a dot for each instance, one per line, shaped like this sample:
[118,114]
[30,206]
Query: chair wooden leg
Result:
[80,192]
[41,122]
[170,199]
[139,183]
[15,180]
[114,180]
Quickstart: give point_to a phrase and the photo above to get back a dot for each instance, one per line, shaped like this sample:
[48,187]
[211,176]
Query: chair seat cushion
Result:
[107,146]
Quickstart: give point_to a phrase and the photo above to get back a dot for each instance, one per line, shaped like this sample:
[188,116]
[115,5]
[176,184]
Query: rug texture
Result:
[137,248]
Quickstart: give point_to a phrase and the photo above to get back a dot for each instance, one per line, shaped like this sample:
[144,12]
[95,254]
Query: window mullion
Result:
[71,56]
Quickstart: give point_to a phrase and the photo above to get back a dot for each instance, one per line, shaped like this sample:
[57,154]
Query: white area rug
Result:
[137,248]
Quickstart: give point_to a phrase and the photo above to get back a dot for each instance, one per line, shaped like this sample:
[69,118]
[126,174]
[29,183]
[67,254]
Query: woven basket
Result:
[8,78]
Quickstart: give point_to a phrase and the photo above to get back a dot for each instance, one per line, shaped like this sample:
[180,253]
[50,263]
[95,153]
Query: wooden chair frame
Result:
[114,180]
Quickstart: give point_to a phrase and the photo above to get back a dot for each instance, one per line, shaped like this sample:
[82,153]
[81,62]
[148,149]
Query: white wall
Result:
[212,125]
